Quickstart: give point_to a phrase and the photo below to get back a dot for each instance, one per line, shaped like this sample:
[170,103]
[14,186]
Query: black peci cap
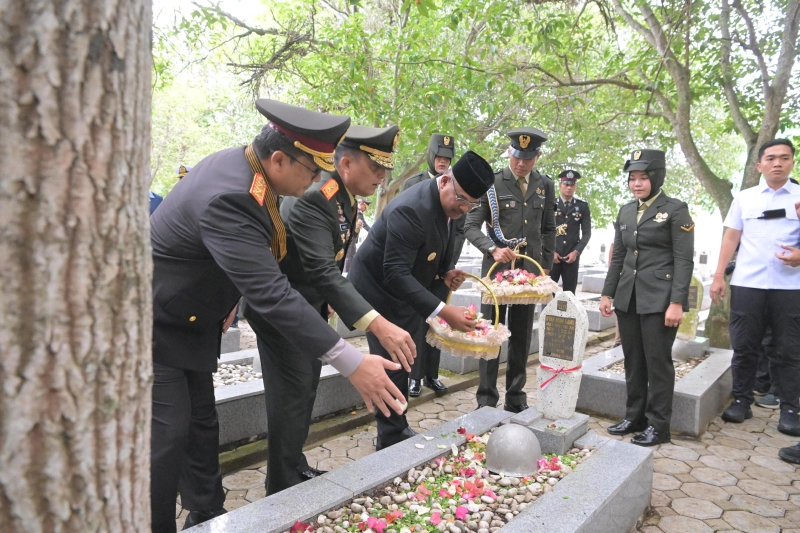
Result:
[377,143]
[316,134]
[526,142]
[473,174]
[569,176]
[645,160]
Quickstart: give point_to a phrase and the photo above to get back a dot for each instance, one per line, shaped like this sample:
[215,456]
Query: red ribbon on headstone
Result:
[556,372]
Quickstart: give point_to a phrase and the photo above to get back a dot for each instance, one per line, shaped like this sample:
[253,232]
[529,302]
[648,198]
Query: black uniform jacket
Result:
[407,248]
[654,256]
[211,243]
[458,224]
[319,230]
[573,226]
[532,217]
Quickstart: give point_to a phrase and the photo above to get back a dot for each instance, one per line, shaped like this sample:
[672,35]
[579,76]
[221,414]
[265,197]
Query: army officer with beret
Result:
[648,279]
[441,151]
[573,231]
[218,236]
[320,228]
[519,214]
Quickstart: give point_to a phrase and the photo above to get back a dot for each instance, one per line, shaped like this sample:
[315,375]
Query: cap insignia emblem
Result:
[524,141]
[432,256]
[637,155]
[447,141]
[570,174]
[396,141]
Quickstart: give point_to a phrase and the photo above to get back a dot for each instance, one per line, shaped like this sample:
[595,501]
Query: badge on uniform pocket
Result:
[623,227]
[339,255]
[342,227]
[661,217]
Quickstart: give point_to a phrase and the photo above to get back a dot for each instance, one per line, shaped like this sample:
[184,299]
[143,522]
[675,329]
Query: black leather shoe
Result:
[414,387]
[198,517]
[515,408]
[789,422]
[311,473]
[650,437]
[407,433]
[480,405]
[435,384]
[790,454]
[737,412]
[626,426]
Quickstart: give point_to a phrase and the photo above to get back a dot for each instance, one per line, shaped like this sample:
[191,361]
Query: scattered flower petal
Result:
[420,446]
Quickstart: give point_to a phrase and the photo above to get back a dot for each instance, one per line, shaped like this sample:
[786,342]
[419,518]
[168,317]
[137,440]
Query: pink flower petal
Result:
[436,518]
[461,512]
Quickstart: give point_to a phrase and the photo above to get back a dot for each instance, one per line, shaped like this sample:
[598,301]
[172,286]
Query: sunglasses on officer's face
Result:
[314,173]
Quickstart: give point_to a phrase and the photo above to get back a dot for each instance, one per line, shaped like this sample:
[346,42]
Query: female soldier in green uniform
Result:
[649,280]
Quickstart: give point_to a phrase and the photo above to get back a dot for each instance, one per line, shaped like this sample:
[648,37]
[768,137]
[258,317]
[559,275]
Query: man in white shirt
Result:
[765,287]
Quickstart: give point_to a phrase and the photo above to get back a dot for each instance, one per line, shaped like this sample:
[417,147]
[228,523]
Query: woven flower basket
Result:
[484,343]
[508,293]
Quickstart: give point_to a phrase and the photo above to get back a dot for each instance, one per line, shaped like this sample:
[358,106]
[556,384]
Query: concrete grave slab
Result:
[559,439]
[683,350]
[699,396]
[594,282]
[231,340]
[608,492]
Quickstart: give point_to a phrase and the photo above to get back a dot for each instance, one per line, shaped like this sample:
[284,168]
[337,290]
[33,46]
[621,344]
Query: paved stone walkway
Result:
[729,480]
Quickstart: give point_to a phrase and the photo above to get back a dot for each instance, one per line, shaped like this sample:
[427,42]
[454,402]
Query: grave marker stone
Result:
[687,331]
[563,328]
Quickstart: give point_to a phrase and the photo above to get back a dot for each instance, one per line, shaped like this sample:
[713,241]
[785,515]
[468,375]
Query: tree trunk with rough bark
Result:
[75,266]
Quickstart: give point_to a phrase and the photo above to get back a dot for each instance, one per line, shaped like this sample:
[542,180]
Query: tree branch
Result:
[752,46]
[728,88]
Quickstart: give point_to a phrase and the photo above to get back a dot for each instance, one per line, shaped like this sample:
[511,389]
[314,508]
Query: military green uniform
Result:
[530,217]
[426,364]
[651,267]
[319,230]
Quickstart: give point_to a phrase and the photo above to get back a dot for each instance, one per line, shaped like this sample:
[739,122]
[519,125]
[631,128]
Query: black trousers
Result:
[290,388]
[519,320]
[389,428]
[568,271]
[426,365]
[767,366]
[649,372]
[752,311]
[184,453]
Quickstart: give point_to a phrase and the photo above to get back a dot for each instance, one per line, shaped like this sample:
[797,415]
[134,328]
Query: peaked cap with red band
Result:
[316,134]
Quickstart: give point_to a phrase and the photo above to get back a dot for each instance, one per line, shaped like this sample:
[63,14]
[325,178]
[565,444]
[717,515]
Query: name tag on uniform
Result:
[342,227]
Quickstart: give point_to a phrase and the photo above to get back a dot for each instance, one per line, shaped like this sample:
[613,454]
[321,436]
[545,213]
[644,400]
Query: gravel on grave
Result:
[681,368]
[234,374]
[433,497]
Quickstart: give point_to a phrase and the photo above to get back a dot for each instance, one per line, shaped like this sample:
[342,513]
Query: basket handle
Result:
[519,256]
[496,305]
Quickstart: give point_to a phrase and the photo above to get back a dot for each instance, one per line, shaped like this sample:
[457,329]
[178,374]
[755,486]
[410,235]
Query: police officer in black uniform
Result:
[519,214]
[573,231]
[217,236]
[441,151]
[648,279]
[410,245]
[320,228]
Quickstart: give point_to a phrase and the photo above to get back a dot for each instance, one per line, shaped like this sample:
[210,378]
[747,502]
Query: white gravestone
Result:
[563,331]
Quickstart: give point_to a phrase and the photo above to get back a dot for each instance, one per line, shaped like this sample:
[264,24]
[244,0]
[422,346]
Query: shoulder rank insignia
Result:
[330,188]
[661,217]
[687,227]
[258,189]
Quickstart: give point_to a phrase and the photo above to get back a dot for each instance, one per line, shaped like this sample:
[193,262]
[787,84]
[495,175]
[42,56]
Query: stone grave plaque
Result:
[563,331]
[687,331]
[693,297]
[559,337]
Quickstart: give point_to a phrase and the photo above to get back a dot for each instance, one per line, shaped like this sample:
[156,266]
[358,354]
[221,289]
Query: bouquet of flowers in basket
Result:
[483,343]
[518,286]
